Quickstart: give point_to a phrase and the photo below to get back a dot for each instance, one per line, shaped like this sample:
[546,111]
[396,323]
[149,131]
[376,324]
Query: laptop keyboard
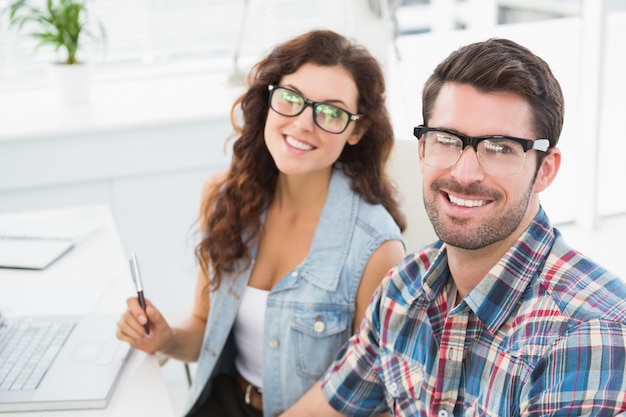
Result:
[27,350]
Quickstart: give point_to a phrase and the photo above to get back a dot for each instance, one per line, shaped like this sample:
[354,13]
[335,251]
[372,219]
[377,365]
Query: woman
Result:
[297,233]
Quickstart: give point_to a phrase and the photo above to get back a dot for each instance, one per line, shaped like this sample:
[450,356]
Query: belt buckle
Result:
[248,391]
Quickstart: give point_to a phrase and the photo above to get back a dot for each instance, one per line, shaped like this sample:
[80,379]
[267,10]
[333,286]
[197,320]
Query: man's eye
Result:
[446,140]
[498,147]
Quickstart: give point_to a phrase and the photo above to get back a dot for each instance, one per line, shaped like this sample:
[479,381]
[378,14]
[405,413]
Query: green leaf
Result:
[62,23]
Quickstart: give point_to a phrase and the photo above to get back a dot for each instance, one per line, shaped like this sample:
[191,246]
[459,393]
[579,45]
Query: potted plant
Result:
[64,25]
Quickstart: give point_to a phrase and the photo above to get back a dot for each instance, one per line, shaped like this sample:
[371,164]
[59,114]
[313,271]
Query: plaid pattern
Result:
[544,333]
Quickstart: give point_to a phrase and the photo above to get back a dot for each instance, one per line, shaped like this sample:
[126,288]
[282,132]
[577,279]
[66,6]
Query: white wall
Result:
[405,172]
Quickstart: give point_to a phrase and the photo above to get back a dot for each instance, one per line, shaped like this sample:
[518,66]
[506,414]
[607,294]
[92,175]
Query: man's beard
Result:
[497,228]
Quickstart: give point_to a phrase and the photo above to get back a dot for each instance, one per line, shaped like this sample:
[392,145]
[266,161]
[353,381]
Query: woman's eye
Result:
[291,98]
[330,112]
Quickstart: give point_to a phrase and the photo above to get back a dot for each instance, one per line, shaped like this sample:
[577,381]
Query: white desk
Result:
[92,277]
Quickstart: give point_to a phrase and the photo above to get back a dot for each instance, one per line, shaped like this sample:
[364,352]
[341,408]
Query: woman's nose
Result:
[304,120]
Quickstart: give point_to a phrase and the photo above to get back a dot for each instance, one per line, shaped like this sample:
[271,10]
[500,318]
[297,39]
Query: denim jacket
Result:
[309,312]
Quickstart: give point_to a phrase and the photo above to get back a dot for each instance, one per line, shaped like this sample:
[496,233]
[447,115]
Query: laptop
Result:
[68,362]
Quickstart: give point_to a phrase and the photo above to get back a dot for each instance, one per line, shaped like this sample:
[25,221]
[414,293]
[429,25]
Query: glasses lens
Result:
[497,156]
[328,117]
[440,149]
[331,118]
[501,156]
[286,102]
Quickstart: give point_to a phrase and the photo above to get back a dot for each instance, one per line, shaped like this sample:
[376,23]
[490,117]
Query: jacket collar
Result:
[331,242]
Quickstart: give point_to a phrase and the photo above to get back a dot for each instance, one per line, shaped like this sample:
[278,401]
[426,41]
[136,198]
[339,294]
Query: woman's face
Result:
[298,145]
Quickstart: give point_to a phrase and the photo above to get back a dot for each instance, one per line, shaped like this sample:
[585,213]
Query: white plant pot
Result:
[72,83]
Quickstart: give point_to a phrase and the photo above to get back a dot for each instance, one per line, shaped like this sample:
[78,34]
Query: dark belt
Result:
[252,395]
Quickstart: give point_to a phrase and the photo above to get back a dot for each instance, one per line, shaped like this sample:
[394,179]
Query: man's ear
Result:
[548,170]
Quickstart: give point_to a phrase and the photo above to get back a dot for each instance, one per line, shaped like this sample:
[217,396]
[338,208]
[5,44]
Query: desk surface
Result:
[92,277]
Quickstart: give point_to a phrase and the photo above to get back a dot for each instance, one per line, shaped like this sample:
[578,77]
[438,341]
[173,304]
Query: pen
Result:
[134,270]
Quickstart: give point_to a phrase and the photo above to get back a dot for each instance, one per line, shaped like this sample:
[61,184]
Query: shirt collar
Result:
[496,295]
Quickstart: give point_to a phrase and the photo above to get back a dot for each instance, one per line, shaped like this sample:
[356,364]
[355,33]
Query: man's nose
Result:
[468,168]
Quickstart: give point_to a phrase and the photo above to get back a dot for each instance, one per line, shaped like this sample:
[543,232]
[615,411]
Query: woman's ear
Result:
[359,130]
[355,137]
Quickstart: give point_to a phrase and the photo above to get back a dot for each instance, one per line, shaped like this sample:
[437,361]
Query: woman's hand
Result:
[130,327]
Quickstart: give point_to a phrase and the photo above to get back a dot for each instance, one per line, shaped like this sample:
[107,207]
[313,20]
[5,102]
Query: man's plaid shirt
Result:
[544,333]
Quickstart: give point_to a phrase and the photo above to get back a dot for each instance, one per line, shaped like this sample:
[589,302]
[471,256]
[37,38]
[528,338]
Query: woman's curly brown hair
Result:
[233,210]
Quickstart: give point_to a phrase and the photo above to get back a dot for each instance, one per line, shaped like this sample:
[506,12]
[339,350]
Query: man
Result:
[500,317]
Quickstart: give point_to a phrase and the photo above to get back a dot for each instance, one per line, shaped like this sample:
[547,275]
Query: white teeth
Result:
[466,203]
[297,144]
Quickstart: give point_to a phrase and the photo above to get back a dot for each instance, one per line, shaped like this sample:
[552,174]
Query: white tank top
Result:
[249,327]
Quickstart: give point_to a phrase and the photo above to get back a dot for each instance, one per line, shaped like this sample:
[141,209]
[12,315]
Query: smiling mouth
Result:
[466,203]
[294,143]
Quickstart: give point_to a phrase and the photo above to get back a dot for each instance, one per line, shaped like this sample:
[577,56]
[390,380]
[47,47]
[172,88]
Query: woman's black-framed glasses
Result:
[328,117]
[498,155]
